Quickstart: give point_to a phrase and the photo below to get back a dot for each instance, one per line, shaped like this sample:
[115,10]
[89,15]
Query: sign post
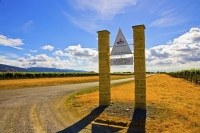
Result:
[121,47]
[104,67]
[139,66]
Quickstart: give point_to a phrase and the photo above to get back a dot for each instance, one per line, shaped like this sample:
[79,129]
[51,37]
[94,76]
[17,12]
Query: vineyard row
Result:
[32,75]
[192,75]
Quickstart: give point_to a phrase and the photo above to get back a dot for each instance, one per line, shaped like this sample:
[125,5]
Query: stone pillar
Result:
[104,67]
[139,66]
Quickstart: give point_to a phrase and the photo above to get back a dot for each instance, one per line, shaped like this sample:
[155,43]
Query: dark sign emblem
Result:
[120,41]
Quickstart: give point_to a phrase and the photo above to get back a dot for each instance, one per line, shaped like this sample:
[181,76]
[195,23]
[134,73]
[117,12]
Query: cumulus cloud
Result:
[80,54]
[8,61]
[21,59]
[182,50]
[60,53]
[48,47]
[79,51]
[190,37]
[73,57]
[42,60]
[6,41]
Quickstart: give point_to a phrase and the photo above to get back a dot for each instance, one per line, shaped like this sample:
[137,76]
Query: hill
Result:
[8,68]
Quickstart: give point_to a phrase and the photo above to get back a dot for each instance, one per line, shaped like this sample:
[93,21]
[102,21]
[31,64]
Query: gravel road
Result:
[39,109]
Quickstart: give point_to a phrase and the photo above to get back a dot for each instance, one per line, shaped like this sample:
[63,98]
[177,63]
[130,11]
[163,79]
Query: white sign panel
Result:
[120,46]
[121,61]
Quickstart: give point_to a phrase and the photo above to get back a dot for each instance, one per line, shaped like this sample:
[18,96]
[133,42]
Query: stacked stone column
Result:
[104,67]
[139,66]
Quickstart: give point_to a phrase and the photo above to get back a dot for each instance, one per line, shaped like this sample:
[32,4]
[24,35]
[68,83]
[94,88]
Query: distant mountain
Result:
[44,69]
[7,68]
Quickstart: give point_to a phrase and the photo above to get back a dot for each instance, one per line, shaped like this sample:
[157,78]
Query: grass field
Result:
[173,104]
[27,83]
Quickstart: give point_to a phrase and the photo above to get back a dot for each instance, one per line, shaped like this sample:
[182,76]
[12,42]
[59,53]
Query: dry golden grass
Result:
[176,104]
[27,83]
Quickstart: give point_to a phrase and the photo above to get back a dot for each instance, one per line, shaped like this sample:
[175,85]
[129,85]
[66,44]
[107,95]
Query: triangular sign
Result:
[120,46]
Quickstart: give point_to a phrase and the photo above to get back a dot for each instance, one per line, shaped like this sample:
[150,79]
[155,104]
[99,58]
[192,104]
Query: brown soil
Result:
[173,105]
[28,83]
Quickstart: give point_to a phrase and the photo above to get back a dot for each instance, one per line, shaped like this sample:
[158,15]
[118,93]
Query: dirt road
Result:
[38,109]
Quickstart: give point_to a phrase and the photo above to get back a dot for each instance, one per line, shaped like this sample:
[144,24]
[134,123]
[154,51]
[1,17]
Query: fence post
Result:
[191,77]
[196,79]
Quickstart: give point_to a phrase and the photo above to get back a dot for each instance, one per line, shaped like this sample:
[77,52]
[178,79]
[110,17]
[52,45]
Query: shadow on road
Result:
[78,126]
[138,122]
[96,128]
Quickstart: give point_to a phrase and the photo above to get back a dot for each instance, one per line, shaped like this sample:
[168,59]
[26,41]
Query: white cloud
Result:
[8,61]
[73,57]
[48,47]
[6,41]
[60,53]
[183,50]
[22,59]
[104,9]
[93,13]
[40,57]
[79,54]
[42,60]
[33,50]
[190,37]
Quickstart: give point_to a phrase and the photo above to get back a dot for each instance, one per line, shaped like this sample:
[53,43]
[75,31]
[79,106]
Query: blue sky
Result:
[63,33]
